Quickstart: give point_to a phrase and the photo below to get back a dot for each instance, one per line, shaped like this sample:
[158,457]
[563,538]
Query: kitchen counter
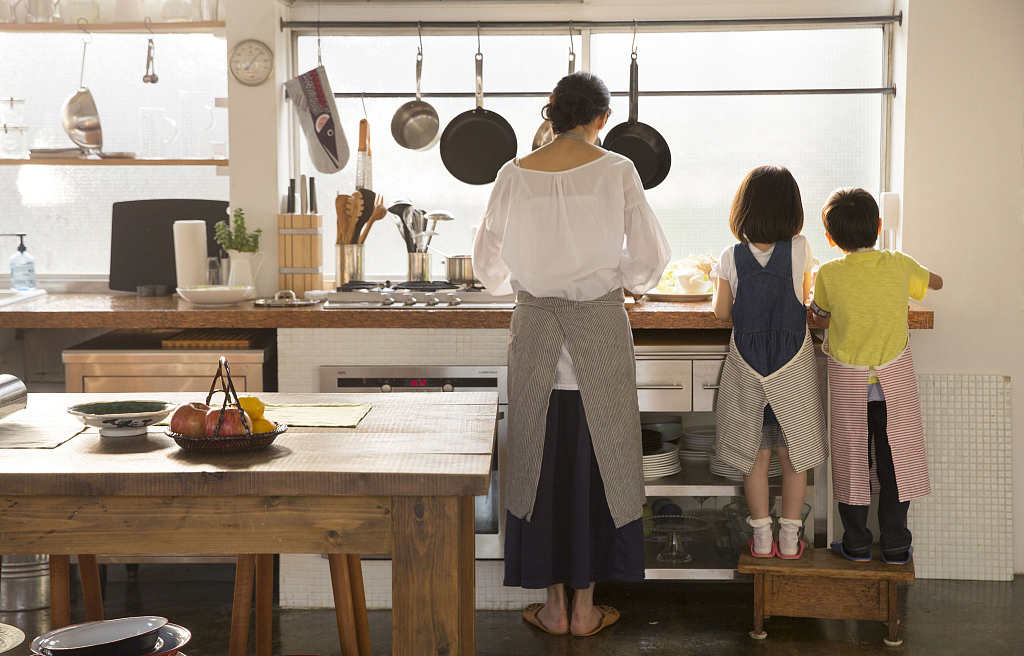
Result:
[128,311]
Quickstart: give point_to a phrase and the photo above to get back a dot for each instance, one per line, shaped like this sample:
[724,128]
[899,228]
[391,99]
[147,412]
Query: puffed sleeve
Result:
[646,252]
[488,266]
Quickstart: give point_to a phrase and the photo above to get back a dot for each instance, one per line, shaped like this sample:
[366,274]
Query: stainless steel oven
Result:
[490,514]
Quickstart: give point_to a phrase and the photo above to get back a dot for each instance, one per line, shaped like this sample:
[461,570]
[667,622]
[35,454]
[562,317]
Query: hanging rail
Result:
[885,91]
[593,25]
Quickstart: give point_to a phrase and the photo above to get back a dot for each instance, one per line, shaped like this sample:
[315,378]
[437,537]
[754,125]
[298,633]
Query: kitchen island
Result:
[401,483]
[129,311]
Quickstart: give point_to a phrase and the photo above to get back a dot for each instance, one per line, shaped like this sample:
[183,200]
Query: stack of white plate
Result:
[663,462]
[697,438]
[724,470]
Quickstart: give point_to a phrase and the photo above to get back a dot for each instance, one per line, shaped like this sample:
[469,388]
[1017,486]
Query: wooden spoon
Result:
[341,204]
[379,212]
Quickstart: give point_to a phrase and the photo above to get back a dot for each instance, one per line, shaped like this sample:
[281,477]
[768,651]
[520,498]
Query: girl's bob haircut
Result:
[767,207]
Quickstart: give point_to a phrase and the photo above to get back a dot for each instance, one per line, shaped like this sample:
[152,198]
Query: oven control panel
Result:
[414,378]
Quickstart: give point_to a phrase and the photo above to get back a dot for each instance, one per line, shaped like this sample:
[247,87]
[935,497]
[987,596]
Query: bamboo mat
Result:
[37,429]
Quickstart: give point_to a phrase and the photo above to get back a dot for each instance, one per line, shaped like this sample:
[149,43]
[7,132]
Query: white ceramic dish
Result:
[216,295]
[10,637]
[677,298]
[121,418]
[110,637]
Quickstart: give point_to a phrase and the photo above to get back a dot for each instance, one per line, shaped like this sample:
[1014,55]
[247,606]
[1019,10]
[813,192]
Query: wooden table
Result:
[402,482]
[823,584]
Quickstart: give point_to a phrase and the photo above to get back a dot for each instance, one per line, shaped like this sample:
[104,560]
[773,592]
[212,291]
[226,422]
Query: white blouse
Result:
[575,234]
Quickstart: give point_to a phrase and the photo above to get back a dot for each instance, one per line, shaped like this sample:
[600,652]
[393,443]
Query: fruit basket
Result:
[231,414]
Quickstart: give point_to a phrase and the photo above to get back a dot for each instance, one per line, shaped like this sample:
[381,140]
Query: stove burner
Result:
[425,285]
[356,285]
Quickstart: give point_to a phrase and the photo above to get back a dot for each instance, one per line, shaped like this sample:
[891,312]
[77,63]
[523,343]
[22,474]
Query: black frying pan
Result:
[478,142]
[639,141]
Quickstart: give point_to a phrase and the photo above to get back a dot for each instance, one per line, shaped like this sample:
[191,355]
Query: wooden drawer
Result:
[664,385]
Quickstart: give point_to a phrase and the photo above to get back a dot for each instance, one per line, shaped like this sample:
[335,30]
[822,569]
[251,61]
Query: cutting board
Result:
[142,238]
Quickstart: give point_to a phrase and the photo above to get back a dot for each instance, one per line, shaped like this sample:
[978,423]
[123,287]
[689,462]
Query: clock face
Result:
[251,62]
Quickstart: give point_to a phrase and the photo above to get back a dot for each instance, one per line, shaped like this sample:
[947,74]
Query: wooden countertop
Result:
[129,311]
[408,444]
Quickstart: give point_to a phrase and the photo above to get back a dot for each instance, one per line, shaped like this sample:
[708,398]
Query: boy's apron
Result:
[770,361]
[600,342]
[853,481]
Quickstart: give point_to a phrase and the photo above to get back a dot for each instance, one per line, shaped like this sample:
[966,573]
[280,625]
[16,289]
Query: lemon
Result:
[252,405]
[263,426]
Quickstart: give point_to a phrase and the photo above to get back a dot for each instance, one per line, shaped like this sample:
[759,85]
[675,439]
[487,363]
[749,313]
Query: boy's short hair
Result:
[767,207]
[850,217]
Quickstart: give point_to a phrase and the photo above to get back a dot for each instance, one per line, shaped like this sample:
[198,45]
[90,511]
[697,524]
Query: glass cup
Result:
[12,110]
[208,10]
[157,133]
[13,142]
[7,8]
[176,10]
[90,11]
[214,274]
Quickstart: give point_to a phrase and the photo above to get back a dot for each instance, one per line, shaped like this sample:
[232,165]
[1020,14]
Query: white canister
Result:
[190,256]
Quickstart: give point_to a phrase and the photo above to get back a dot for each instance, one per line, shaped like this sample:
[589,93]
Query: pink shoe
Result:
[773,552]
[799,551]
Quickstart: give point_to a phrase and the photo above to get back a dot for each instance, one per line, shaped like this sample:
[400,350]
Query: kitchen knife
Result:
[312,196]
[291,196]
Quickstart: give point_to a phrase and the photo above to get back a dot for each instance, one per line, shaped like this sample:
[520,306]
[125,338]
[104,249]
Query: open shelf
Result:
[697,480]
[183,27]
[113,161]
[709,560]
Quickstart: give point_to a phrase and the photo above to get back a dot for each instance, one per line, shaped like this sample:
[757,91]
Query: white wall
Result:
[959,163]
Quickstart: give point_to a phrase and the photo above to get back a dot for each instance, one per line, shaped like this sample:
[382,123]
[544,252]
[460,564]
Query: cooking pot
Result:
[459,270]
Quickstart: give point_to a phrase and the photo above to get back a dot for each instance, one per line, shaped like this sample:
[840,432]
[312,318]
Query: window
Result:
[66,210]
[827,141]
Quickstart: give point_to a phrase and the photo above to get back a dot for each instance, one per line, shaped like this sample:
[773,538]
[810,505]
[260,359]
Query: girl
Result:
[769,380]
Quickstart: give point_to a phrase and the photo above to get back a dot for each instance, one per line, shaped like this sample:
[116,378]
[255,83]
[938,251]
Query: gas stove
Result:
[436,296]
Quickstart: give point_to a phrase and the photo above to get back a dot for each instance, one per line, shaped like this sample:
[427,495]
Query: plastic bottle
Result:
[23,269]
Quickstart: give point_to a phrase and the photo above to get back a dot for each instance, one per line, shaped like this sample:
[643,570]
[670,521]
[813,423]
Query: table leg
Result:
[893,639]
[758,633]
[264,604]
[342,584]
[425,576]
[60,591]
[355,577]
[467,575]
[89,572]
[245,569]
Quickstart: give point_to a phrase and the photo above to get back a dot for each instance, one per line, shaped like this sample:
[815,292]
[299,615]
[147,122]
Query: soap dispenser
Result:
[23,268]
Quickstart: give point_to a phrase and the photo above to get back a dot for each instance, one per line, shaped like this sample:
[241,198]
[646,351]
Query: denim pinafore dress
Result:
[770,375]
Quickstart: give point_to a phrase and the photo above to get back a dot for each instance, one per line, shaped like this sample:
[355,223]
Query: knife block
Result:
[300,252]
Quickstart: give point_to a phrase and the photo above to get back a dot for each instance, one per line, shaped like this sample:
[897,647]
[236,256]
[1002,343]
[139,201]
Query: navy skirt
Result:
[571,537]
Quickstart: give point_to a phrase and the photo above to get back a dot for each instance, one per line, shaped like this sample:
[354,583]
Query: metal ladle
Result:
[150,76]
[79,115]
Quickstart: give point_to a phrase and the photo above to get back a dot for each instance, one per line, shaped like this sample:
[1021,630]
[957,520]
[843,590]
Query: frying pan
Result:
[478,142]
[640,142]
[415,125]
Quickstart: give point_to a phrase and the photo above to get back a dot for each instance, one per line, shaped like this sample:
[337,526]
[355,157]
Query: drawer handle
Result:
[660,387]
[706,386]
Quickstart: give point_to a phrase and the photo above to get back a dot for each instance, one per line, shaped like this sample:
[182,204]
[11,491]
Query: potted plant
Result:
[243,248]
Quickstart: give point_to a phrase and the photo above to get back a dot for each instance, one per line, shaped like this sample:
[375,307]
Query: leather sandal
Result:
[608,617]
[530,615]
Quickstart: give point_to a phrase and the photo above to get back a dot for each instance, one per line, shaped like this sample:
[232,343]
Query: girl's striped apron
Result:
[600,342]
[793,394]
[852,480]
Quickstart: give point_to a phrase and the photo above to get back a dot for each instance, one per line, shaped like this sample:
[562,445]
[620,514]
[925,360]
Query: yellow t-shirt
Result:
[866,294]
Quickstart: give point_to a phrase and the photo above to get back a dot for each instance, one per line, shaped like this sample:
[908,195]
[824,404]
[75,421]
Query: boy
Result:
[876,434]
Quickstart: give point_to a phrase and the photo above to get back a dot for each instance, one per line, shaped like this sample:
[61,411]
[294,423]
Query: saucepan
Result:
[458,268]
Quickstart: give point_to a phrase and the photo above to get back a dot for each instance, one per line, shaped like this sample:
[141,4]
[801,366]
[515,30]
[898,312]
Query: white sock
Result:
[762,534]
[789,536]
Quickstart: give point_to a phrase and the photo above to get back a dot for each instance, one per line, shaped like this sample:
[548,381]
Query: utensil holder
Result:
[349,263]
[419,267]
[300,252]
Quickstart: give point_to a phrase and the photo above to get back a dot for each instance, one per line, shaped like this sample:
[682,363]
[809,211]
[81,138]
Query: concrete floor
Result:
[658,617]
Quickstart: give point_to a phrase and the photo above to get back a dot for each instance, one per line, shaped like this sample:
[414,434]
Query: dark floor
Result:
[658,617]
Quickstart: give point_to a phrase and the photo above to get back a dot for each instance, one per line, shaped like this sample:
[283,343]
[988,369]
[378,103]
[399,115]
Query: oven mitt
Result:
[314,102]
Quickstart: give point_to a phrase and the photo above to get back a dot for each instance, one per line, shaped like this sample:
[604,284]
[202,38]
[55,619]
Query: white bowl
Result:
[121,418]
[120,637]
[216,295]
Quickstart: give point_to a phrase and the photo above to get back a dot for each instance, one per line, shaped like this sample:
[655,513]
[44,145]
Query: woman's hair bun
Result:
[578,99]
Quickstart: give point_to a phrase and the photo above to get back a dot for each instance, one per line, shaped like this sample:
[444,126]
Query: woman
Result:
[567,228]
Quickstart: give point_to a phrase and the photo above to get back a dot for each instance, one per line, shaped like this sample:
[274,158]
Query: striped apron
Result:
[792,391]
[600,342]
[852,480]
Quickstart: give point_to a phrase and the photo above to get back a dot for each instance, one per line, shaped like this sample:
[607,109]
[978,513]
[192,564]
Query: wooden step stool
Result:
[823,584]
[349,604]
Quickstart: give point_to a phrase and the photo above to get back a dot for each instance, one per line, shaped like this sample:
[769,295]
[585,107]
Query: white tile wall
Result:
[963,530]
[306,583]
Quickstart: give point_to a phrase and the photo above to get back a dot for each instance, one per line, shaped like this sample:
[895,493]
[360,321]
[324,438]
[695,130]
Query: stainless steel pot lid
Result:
[284,298]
